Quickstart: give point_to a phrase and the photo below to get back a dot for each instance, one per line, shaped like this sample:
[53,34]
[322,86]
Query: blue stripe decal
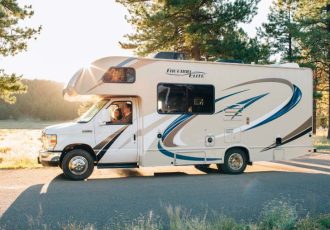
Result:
[229,95]
[246,103]
[182,157]
[250,101]
[229,107]
[175,123]
[296,97]
[184,117]
[125,62]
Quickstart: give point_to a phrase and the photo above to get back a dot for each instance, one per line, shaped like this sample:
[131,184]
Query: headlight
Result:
[49,141]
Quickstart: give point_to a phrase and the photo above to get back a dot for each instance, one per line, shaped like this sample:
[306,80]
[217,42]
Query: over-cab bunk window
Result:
[119,75]
[183,98]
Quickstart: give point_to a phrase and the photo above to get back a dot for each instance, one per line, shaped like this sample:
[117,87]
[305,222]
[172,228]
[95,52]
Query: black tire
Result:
[77,156]
[220,168]
[235,161]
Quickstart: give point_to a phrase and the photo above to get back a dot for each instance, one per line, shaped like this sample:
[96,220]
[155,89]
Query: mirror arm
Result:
[103,123]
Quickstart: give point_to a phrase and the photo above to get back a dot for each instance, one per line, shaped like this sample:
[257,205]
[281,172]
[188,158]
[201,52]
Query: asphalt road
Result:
[31,198]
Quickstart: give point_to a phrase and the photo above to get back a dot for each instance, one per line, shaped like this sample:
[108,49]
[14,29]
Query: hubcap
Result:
[235,161]
[78,165]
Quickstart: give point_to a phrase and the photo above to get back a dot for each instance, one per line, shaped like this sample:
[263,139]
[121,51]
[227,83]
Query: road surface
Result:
[33,197]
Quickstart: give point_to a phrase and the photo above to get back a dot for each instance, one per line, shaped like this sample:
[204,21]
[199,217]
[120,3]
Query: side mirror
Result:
[103,123]
[104,117]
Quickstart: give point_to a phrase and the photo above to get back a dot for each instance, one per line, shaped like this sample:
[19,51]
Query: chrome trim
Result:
[49,158]
[78,165]
[235,161]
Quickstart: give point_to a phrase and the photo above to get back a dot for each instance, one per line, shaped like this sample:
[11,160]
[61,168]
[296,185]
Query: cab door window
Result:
[121,112]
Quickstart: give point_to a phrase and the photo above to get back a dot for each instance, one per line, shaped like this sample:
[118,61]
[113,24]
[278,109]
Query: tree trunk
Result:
[328,29]
[196,52]
[328,100]
[314,101]
[290,37]
[290,48]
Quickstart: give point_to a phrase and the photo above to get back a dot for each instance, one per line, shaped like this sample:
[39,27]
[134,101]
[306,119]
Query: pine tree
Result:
[314,19]
[238,46]
[190,26]
[13,39]
[281,30]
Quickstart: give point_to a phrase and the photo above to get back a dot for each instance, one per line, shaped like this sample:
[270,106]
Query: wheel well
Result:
[247,153]
[78,146]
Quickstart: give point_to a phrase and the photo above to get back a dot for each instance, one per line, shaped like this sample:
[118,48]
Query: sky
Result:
[76,32]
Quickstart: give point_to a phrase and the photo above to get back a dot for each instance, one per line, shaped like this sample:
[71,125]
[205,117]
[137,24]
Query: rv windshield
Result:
[89,114]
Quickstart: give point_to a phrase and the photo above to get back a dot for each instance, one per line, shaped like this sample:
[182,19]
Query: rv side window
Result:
[200,98]
[119,75]
[172,98]
[179,98]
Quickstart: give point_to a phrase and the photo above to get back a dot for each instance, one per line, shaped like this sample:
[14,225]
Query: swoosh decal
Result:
[109,141]
[125,62]
[229,95]
[175,123]
[277,80]
[182,157]
[296,97]
[289,140]
[168,139]
[246,103]
[185,118]
[305,128]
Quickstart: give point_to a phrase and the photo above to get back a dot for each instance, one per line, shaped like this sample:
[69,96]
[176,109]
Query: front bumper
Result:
[49,158]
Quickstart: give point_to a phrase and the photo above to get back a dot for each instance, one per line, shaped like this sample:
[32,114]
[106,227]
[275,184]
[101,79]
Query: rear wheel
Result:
[235,161]
[220,166]
[78,164]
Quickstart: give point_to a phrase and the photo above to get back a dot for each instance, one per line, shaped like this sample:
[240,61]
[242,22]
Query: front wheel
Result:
[235,161]
[78,164]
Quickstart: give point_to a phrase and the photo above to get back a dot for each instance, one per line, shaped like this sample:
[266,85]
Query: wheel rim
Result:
[78,165]
[235,161]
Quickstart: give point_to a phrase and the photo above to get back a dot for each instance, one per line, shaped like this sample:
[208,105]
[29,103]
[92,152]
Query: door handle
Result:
[134,137]
[87,131]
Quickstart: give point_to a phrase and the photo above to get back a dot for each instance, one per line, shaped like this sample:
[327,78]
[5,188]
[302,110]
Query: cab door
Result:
[116,133]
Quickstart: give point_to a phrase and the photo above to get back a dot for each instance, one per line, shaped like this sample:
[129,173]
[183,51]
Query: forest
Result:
[42,101]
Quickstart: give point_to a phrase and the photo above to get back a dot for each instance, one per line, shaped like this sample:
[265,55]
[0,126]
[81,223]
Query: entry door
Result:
[116,137]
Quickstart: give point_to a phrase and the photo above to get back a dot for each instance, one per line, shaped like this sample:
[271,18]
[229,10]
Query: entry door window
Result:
[121,112]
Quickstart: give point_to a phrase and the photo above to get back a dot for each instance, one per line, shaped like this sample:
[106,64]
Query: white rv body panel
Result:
[254,106]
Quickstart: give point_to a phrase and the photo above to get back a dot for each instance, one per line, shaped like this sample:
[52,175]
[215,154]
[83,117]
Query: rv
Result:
[157,112]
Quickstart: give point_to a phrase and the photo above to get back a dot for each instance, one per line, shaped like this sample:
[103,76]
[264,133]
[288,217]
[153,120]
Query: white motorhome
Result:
[155,112]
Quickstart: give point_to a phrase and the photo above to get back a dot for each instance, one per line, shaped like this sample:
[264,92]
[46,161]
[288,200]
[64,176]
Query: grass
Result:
[19,148]
[321,142]
[20,162]
[16,161]
[26,124]
[5,149]
[276,215]
[320,222]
